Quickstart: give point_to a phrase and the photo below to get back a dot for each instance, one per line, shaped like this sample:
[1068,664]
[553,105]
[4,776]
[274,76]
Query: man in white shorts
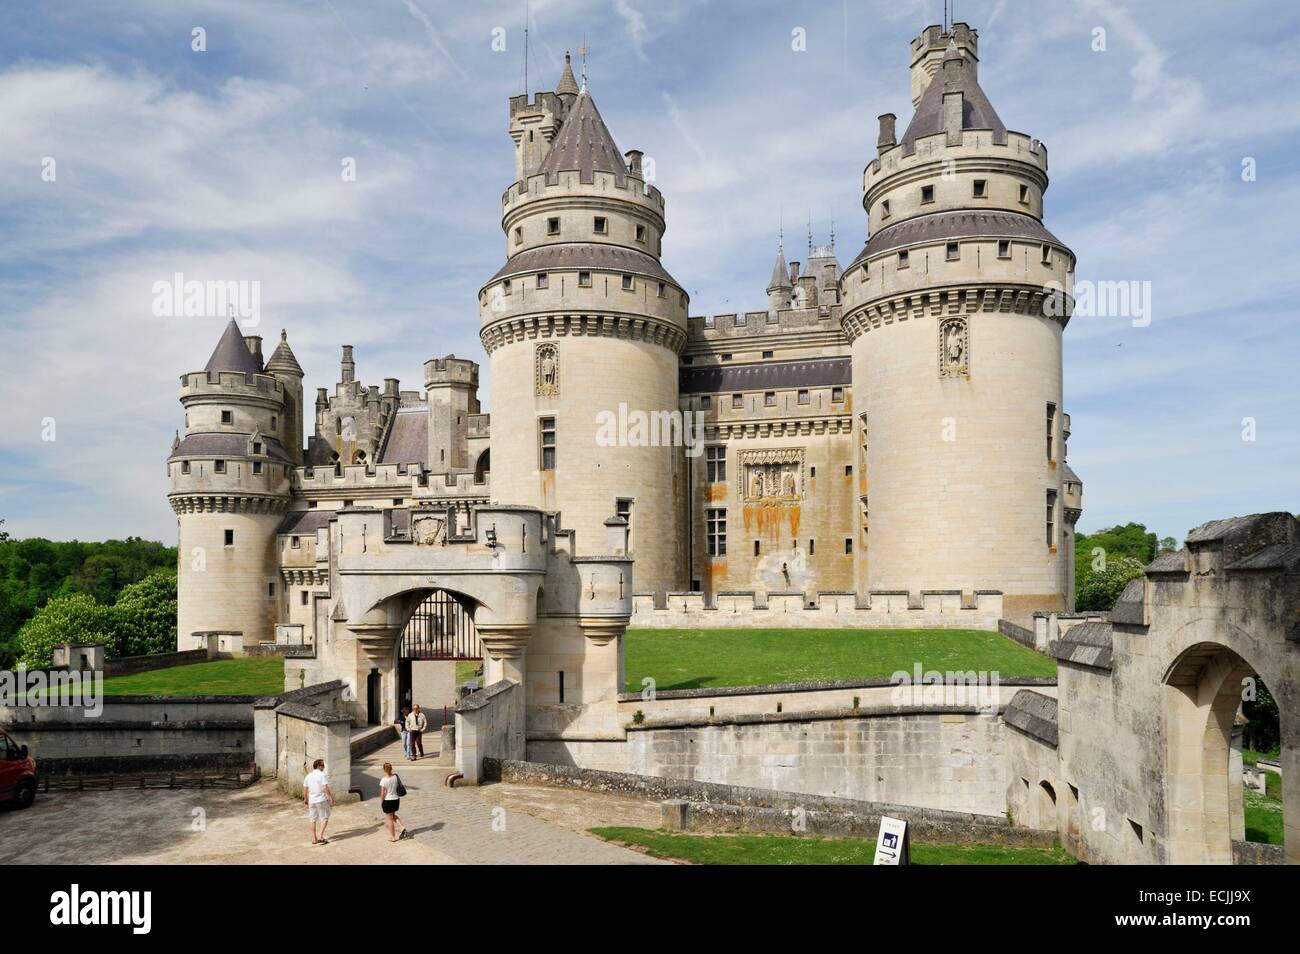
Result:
[318,798]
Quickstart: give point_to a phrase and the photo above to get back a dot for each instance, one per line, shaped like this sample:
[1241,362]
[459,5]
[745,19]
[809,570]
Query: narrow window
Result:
[270,588]
[185,467]
[812,547]
[519,236]
[757,548]
[927,193]
[219,466]
[738,400]
[706,402]
[1024,194]
[1047,255]
[561,685]
[584,279]
[295,542]
[230,538]
[275,422]
[980,188]
[546,430]
[769,399]
[543,280]
[663,288]
[304,598]
[227,417]
[715,463]
[506,287]
[553,226]
[627,283]
[1004,248]
[257,467]
[954,252]
[715,520]
[848,544]
[640,233]
[902,259]
[1051,517]
[804,397]
[602,225]
[1051,429]
[837,395]
[884,209]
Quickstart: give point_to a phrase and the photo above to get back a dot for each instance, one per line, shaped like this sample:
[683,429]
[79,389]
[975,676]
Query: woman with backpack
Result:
[391,791]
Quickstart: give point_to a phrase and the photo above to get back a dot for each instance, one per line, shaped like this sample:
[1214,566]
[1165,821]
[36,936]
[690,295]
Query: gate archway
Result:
[439,636]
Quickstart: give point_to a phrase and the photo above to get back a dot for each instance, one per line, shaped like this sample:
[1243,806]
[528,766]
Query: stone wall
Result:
[947,609]
[136,734]
[489,724]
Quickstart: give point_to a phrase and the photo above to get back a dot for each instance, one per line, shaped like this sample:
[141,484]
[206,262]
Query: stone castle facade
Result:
[892,426]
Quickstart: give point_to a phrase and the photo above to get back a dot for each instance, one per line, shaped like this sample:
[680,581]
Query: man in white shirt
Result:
[416,723]
[318,798]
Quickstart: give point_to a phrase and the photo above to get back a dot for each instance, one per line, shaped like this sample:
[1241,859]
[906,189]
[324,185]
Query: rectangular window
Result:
[902,259]
[1024,194]
[1004,248]
[519,236]
[812,547]
[738,400]
[768,354]
[270,589]
[227,417]
[546,437]
[295,542]
[304,598]
[257,447]
[884,209]
[229,538]
[706,402]
[1047,255]
[640,233]
[584,279]
[726,356]
[927,193]
[397,501]
[257,467]
[274,422]
[663,288]
[837,395]
[1051,430]
[804,397]
[848,470]
[848,544]
[953,252]
[980,188]
[757,548]
[219,466]
[543,280]
[601,225]
[553,226]
[769,399]
[185,467]
[506,287]
[715,520]
[1051,517]
[715,463]
[627,283]
[623,507]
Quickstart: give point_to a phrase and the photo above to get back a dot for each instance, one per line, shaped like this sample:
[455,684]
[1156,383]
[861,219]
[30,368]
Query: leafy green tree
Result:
[144,616]
[66,619]
[1263,729]
[1168,545]
[1099,589]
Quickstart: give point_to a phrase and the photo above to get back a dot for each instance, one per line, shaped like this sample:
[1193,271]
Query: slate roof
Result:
[583,255]
[584,144]
[939,226]
[1034,714]
[231,354]
[408,438]
[304,522]
[780,272]
[1130,607]
[283,359]
[977,112]
[224,445]
[770,376]
[1279,556]
[567,83]
[1067,473]
[1175,562]
[1087,644]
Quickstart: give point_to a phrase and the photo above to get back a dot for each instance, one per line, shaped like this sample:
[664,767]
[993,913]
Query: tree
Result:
[66,619]
[1168,545]
[144,616]
[1099,589]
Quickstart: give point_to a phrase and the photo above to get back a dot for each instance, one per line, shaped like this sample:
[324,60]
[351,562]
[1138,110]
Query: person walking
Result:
[318,798]
[406,734]
[391,791]
[416,723]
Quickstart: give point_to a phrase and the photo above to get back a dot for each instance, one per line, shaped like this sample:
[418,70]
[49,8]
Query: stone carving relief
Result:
[954,347]
[773,476]
[429,530]
[548,370]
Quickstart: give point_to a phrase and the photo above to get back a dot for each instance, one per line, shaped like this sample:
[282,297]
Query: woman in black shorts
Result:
[389,800]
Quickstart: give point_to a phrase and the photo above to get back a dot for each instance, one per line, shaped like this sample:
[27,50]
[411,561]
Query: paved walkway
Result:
[495,824]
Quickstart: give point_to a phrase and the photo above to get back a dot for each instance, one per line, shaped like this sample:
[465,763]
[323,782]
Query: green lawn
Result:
[791,850]
[1264,812]
[221,677]
[699,658]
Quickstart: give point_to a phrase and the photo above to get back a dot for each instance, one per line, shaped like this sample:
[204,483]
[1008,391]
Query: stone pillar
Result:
[504,647]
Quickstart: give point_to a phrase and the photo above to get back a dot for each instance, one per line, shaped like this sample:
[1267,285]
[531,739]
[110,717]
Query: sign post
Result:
[893,846]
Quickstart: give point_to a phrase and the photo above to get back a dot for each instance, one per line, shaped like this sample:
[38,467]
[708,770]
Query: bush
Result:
[144,616]
[1098,590]
[65,619]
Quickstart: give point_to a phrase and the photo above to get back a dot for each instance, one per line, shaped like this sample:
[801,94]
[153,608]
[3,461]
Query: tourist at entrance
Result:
[406,733]
[391,791]
[416,723]
[318,798]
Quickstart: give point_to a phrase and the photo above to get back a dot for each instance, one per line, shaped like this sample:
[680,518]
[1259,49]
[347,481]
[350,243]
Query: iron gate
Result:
[441,629]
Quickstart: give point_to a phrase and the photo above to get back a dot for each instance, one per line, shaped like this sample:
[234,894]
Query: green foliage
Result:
[144,616]
[34,571]
[1263,729]
[1100,577]
[64,619]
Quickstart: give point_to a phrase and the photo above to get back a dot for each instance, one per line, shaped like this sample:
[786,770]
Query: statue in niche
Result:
[953,347]
[756,489]
[548,370]
[787,485]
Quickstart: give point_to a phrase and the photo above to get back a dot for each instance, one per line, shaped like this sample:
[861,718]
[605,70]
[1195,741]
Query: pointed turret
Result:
[779,288]
[283,359]
[567,87]
[288,430]
[231,354]
[584,143]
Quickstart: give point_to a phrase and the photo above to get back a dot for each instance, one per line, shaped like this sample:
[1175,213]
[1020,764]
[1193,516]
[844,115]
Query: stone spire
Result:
[567,86]
[283,359]
[780,272]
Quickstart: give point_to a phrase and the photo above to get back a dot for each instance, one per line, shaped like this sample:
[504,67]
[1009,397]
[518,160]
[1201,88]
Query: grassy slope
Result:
[789,850]
[222,677]
[695,658]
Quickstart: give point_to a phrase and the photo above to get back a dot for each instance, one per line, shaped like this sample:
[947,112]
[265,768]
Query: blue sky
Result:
[225,164]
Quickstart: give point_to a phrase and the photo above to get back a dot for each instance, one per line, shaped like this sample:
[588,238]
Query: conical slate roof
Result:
[283,358]
[231,354]
[976,113]
[567,83]
[780,271]
[584,144]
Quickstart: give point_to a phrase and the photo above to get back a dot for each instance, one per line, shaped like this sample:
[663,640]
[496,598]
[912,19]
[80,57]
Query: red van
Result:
[17,773]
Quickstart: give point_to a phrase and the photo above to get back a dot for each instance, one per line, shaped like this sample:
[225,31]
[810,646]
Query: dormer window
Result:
[601,225]
[553,226]
[927,194]
[980,189]
[257,447]
[543,280]
[227,417]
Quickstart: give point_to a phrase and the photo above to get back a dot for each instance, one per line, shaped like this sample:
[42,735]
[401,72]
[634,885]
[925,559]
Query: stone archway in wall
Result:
[438,635]
[1203,689]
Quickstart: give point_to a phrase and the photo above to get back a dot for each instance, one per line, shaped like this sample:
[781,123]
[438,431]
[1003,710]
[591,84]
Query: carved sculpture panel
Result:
[954,347]
[427,531]
[547,370]
[772,476]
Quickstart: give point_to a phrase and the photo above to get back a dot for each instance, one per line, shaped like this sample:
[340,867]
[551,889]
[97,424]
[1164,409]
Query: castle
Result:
[893,426]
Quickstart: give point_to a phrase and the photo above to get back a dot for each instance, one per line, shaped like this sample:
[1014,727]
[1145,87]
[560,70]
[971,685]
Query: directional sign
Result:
[893,847]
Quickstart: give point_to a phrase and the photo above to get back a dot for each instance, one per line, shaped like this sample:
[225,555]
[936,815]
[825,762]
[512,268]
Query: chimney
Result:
[390,387]
[794,273]
[633,157]
[887,138]
[348,366]
[254,344]
[954,83]
[616,535]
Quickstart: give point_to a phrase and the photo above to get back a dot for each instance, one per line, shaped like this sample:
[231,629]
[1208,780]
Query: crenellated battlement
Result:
[563,186]
[877,609]
[266,388]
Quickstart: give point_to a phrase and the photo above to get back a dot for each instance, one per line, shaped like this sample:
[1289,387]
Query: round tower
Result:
[229,488]
[287,428]
[955,310]
[583,328]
